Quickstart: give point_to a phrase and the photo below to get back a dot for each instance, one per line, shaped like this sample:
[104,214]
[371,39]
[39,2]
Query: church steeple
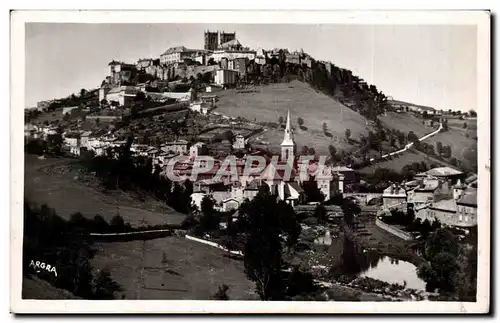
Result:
[288,145]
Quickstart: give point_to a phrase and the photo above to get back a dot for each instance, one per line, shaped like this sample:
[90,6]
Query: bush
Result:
[311,221]
[221,293]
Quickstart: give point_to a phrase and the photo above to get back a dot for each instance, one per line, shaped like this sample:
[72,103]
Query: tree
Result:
[412,137]
[473,113]
[140,97]
[117,223]
[269,224]
[348,134]
[350,210]
[312,191]
[445,125]
[320,214]
[103,286]
[465,125]
[446,152]
[55,142]
[439,148]
[305,150]
[300,121]
[83,92]
[221,294]
[442,240]
[209,220]
[332,150]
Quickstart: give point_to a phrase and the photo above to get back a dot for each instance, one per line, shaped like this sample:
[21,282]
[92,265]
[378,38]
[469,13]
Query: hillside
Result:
[35,288]
[174,268]
[268,102]
[405,122]
[64,192]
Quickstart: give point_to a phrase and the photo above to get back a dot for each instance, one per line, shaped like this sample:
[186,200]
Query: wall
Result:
[218,55]
[177,95]
[397,202]
[393,230]
[225,77]
[421,197]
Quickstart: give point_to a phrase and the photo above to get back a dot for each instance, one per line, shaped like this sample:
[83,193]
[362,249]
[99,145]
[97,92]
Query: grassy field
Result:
[34,288]
[457,123]
[68,195]
[191,270]
[456,136]
[405,122]
[269,102]
[461,146]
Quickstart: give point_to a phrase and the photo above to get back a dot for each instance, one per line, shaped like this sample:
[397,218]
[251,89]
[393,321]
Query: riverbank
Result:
[366,234]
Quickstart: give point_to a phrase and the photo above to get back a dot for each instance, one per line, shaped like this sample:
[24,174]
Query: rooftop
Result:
[442,171]
[428,186]
[231,43]
[445,205]
[469,198]
[342,169]
[178,49]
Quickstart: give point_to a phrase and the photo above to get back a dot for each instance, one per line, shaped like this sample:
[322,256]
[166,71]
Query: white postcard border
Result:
[479,18]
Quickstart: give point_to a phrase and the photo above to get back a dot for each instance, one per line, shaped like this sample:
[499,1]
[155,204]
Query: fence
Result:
[393,230]
[129,236]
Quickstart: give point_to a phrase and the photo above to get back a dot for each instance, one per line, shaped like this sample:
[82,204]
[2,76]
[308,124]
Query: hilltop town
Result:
[169,129]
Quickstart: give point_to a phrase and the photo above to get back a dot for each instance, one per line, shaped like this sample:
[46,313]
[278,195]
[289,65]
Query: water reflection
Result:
[369,263]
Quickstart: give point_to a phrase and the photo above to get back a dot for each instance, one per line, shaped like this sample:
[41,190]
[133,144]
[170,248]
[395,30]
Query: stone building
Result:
[214,39]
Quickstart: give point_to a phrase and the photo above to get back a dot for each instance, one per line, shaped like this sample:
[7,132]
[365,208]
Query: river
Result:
[360,262]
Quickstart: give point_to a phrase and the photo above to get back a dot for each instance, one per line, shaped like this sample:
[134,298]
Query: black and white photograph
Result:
[282,162]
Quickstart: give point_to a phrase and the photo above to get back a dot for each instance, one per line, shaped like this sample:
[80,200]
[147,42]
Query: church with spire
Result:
[288,146]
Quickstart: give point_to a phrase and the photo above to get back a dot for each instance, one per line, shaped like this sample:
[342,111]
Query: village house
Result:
[452,212]
[72,141]
[67,110]
[260,57]
[122,74]
[178,146]
[230,204]
[30,131]
[232,50]
[178,55]
[197,149]
[226,77]
[123,95]
[443,173]
[239,142]
[349,174]
[467,208]
[394,198]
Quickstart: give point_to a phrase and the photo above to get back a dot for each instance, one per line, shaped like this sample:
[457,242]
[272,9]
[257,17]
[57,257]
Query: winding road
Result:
[408,146]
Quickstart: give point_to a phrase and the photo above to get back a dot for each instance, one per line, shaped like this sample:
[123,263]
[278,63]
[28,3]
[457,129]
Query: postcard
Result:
[250,162]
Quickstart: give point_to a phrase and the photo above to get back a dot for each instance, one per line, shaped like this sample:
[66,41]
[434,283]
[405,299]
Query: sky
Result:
[433,65]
